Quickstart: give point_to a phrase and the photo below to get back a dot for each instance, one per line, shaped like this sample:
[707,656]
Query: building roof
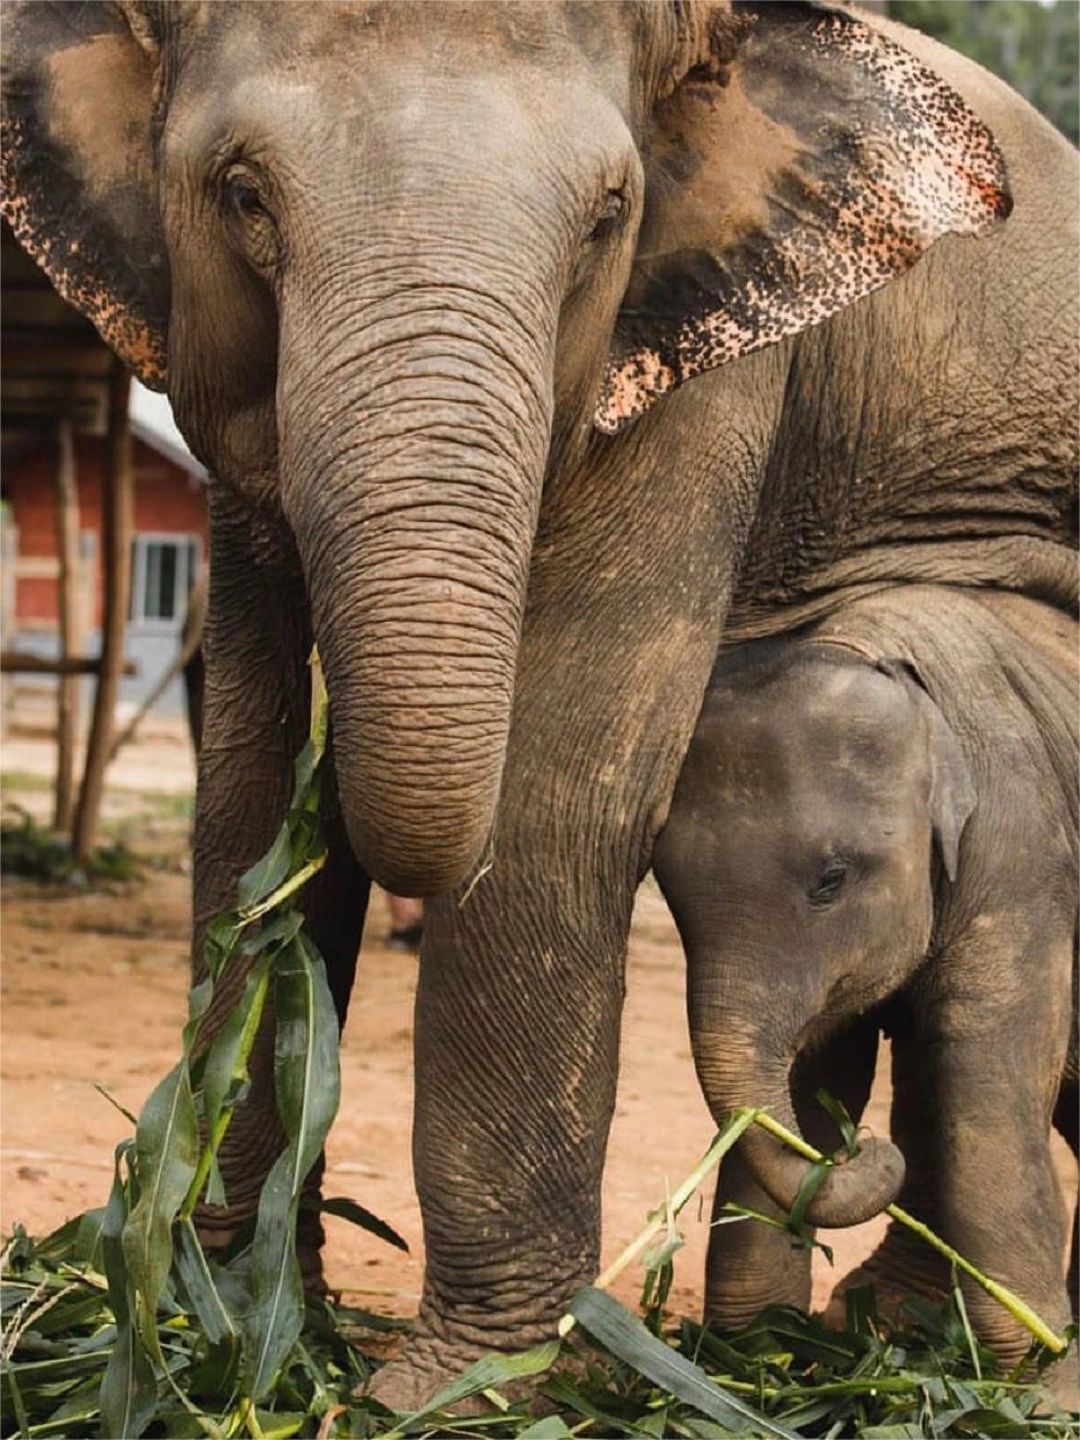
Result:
[152,422]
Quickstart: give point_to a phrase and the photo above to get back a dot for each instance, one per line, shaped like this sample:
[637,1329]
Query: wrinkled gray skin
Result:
[396,239]
[885,807]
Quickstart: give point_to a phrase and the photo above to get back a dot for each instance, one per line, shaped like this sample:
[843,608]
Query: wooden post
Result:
[67,688]
[8,552]
[116,530]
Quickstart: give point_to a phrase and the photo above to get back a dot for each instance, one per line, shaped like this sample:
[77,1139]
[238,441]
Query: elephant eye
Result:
[610,217]
[829,883]
[242,195]
[253,230]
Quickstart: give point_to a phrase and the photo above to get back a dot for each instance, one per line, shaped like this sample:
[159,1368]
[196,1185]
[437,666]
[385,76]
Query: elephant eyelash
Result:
[830,882]
[251,222]
[240,191]
[612,213]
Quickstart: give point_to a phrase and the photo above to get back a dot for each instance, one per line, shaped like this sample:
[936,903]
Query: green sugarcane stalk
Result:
[1016,1307]
[739,1121]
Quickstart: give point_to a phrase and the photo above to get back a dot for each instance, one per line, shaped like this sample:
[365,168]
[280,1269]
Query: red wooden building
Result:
[168,552]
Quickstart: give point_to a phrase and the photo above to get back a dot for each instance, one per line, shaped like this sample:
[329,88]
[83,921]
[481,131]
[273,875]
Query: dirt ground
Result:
[93,993]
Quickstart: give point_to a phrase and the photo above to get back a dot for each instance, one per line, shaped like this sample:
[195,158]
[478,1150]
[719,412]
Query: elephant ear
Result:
[952,791]
[804,163]
[78,186]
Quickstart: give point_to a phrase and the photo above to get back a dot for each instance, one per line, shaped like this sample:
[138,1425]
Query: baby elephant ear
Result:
[804,163]
[76,172]
[952,791]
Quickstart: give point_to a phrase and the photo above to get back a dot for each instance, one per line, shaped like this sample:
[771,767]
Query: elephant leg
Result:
[256,710]
[994,1053]
[751,1265]
[1067,1124]
[902,1264]
[517,1042]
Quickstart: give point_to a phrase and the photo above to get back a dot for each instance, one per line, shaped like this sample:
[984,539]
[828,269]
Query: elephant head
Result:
[798,861]
[391,259]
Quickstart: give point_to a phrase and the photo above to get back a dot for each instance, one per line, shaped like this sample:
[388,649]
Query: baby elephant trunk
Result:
[736,1074]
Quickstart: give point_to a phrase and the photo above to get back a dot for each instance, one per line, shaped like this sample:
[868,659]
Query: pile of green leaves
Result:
[30,851]
[121,1323]
[785,1375]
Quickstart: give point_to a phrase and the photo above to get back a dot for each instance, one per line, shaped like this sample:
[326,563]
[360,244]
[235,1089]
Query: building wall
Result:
[168,501]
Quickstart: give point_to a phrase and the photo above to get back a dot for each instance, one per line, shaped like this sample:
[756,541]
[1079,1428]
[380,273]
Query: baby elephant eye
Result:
[829,883]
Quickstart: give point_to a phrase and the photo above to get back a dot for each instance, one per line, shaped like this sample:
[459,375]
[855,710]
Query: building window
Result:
[163,570]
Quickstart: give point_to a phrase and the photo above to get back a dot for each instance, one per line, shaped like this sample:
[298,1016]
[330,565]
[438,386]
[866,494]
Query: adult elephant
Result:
[408,272]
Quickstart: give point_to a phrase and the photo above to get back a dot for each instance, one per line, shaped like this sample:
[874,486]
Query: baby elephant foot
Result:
[900,1267]
[1063,1381]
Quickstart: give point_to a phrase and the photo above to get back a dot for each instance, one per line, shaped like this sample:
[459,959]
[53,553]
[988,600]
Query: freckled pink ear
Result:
[821,166]
[76,169]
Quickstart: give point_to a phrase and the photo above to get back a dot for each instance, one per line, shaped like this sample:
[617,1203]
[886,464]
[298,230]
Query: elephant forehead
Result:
[337,33]
[811,724]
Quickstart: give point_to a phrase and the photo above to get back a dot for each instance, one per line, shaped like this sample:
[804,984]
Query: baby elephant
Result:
[883,809]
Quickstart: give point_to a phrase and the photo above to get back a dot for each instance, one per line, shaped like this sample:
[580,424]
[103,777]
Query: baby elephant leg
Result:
[1067,1124]
[903,1265]
[751,1265]
[994,1033]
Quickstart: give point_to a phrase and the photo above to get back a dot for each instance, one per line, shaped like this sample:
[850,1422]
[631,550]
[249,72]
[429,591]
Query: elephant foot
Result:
[432,1360]
[1063,1381]
[750,1267]
[901,1267]
[423,1369]
[736,1301]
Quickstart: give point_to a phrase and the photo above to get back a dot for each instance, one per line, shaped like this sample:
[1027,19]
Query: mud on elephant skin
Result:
[407,273]
[885,806]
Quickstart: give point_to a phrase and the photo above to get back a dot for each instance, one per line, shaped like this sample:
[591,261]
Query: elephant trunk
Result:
[737,1067]
[412,448]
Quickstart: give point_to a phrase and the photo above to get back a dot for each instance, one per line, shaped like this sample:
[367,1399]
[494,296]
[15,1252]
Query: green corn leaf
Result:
[307,1084]
[279,1424]
[167,1151]
[272,1323]
[88,1238]
[627,1338]
[551,1427]
[221,938]
[304,770]
[844,1122]
[267,873]
[205,1297]
[128,1395]
[225,1063]
[816,1175]
[306,1067]
[276,935]
[346,1209]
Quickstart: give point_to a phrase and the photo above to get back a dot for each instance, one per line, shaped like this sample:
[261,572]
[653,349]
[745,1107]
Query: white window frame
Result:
[181,540]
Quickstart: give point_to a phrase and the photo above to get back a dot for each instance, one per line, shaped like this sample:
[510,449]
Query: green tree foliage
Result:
[1035,47]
